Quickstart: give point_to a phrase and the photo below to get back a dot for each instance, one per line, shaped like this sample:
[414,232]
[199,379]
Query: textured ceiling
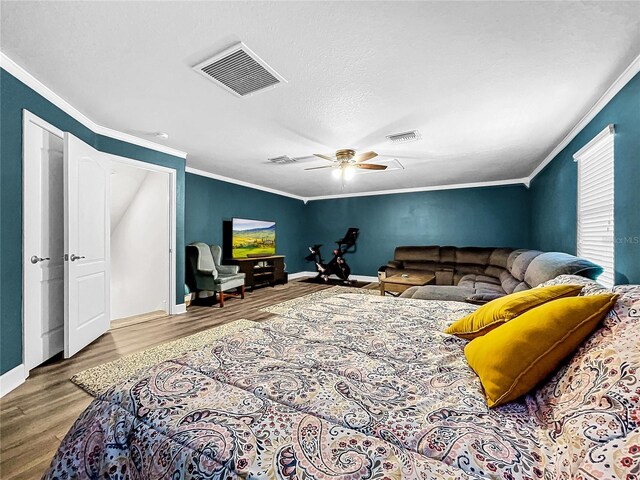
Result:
[493,87]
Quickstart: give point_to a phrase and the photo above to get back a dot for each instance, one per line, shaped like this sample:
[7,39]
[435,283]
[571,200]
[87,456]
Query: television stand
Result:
[261,271]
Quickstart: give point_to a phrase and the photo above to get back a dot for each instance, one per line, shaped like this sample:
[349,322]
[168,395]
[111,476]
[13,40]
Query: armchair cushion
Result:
[227,282]
[205,264]
[227,279]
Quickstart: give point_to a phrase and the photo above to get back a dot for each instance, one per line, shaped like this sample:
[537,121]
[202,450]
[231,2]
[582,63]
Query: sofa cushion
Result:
[521,287]
[500,256]
[482,287]
[438,292]
[448,255]
[473,255]
[473,278]
[512,257]
[549,265]
[508,281]
[481,284]
[420,254]
[493,271]
[521,263]
[421,265]
[467,268]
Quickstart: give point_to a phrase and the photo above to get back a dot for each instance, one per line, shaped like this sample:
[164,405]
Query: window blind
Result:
[596,240]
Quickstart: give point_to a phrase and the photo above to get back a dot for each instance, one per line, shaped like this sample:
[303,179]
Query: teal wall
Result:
[543,217]
[209,202]
[491,216]
[17,96]
[554,190]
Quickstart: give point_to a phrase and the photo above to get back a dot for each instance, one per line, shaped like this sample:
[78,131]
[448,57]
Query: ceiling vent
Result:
[282,160]
[404,137]
[240,71]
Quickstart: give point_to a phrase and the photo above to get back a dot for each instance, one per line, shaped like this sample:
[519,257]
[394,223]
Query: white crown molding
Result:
[222,178]
[25,77]
[497,183]
[611,92]
[12,379]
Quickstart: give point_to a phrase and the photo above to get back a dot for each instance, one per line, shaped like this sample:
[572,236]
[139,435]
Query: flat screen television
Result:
[252,238]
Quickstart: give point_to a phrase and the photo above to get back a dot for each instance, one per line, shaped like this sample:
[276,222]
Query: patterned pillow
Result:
[590,287]
[595,399]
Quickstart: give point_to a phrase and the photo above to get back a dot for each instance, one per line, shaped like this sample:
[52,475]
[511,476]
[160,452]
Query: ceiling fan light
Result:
[336,173]
[349,172]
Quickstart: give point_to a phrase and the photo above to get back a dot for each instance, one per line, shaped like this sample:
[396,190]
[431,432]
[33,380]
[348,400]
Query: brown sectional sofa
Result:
[477,274]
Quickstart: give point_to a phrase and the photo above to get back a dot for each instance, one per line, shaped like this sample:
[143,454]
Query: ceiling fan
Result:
[345,161]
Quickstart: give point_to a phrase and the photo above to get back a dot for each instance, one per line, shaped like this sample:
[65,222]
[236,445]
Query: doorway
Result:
[140,233]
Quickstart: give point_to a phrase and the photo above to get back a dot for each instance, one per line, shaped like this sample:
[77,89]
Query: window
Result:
[596,241]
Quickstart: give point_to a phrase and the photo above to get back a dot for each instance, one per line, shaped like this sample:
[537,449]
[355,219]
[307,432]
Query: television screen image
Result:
[253,238]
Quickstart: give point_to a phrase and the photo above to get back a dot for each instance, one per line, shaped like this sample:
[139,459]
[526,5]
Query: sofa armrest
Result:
[444,276]
[394,264]
[228,269]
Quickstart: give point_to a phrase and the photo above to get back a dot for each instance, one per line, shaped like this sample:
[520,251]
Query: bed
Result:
[359,386]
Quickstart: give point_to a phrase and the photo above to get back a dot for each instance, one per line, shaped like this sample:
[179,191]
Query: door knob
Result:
[36,259]
[75,257]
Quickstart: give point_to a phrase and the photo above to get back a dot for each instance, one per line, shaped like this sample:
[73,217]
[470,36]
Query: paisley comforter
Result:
[359,386]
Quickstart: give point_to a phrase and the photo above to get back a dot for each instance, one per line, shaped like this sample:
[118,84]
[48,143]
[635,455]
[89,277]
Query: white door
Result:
[43,244]
[86,227]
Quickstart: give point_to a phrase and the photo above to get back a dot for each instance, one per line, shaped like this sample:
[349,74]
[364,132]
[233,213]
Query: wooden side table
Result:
[396,284]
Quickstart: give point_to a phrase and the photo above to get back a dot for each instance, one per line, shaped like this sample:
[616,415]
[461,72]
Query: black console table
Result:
[261,270]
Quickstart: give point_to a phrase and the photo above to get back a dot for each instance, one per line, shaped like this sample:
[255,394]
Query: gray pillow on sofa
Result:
[551,264]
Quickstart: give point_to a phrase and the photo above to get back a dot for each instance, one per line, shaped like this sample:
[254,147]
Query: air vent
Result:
[404,137]
[240,71]
[283,159]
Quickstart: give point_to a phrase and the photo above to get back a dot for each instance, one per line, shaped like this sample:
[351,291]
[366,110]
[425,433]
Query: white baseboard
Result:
[360,278]
[180,309]
[12,379]
[293,276]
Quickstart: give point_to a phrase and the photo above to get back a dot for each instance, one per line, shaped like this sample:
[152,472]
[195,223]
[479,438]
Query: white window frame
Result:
[595,203]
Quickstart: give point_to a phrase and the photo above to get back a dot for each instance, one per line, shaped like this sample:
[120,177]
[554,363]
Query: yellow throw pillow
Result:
[512,359]
[501,310]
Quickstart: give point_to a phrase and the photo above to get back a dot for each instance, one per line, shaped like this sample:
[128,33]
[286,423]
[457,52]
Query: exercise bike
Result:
[337,265]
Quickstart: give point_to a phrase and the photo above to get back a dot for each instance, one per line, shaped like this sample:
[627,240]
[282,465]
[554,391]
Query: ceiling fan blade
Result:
[318,168]
[326,157]
[370,166]
[363,157]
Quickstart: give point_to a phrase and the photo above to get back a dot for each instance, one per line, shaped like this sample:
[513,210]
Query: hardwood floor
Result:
[36,416]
